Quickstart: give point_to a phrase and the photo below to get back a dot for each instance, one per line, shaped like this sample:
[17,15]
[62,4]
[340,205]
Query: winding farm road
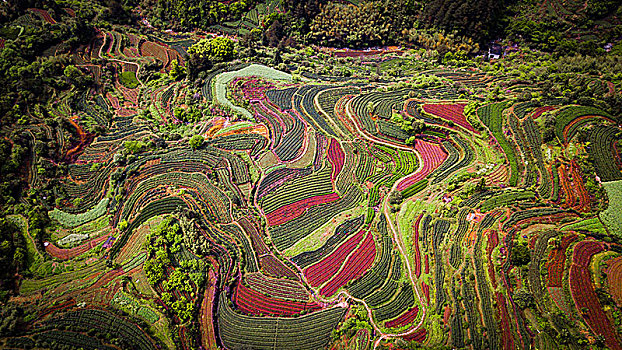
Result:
[395,232]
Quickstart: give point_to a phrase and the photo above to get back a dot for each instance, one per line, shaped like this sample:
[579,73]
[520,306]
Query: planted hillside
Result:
[310,175]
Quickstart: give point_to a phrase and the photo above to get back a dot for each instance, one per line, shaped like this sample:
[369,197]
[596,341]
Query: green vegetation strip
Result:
[612,217]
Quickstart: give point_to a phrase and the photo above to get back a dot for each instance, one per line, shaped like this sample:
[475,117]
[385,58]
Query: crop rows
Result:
[390,287]
[453,162]
[505,199]
[104,322]
[455,253]
[354,267]
[308,332]
[584,295]
[293,141]
[468,301]
[215,202]
[601,150]
[272,120]
[277,288]
[450,112]
[378,273]
[432,156]
[534,139]
[412,109]
[316,184]
[277,268]
[304,104]
[391,130]
[277,178]
[72,339]
[336,157]
[441,228]
[327,99]
[73,220]
[252,302]
[400,304]
[250,257]
[326,268]
[404,319]
[344,230]
[282,98]
[568,114]
[286,235]
[291,211]
[492,116]
[250,228]
[485,296]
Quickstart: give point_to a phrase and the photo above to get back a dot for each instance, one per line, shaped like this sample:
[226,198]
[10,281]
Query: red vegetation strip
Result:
[432,156]
[252,302]
[328,267]
[336,157]
[452,112]
[404,319]
[614,278]
[416,244]
[426,290]
[418,336]
[65,254]
[557,258]
[275,267]
[291,211]
[506,335]
[584,295]
[355,266]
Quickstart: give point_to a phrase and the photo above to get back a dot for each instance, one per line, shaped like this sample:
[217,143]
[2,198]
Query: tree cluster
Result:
[370,23]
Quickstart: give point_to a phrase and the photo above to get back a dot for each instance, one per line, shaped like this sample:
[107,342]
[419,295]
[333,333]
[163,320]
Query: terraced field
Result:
[312,216]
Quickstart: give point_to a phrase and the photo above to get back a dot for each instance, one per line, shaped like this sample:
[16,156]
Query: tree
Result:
[196,141]
[519,255]
[219,49]
[177,72]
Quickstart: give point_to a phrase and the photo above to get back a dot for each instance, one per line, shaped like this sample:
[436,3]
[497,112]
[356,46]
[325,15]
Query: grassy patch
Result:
[128,79]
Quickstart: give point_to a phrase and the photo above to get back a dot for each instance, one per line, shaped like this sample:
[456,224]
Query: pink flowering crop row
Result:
[540,110]
[418,336]
[336,157]
[252,302]
[326,268]
[416,244]
[250,88]
[453,112]
[432,156]
[294,210]
[426,291]
[404,319]
[356,265]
